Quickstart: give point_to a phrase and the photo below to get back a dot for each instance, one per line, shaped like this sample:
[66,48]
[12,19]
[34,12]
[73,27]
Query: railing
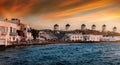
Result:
[13,34]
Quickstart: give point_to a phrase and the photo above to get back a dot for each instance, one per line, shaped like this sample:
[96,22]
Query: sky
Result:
[43,14]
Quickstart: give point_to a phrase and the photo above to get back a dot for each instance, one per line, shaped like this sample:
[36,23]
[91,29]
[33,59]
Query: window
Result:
[6,29]
[10,29]
[2,29]
[13,38]
[14,30]
[25,29]
[73,36]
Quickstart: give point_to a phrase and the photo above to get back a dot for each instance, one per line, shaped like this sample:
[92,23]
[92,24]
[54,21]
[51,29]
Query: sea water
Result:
[63,54]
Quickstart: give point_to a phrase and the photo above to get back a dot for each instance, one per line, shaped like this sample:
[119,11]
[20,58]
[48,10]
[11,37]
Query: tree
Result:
[35,33]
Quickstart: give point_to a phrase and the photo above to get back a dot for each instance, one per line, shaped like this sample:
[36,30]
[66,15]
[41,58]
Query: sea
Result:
[63,54]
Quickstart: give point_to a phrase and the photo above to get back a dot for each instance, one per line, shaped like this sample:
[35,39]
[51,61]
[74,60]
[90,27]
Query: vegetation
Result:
[35,33]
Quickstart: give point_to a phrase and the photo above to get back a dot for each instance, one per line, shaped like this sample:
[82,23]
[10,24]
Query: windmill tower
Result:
[56,27]
[114,29]
[104,28]
[83,27]
[93,27]
[67,27]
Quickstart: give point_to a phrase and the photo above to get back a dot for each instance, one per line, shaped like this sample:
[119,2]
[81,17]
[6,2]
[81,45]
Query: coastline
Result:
[4,47]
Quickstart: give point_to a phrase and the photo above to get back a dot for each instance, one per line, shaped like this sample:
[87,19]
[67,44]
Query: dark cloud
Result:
[46,6]
[80,14]
[40,6]
[24,8]
[46,12]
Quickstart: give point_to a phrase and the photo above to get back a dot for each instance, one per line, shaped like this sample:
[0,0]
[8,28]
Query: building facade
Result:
[73,37]
[81,37]
[12,31]
[110,38]
[8,31]
[91,37]
[28,33]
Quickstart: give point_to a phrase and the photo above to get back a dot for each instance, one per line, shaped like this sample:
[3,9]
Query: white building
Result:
[8,31]
[73,37]
[110,38]
[85,37]
[28,33]
[91,37]
[117,38]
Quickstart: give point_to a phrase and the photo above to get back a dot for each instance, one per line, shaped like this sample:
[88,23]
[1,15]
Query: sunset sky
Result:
[43,14]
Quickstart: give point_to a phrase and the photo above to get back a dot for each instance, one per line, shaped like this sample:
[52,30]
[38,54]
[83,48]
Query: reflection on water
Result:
[63,54]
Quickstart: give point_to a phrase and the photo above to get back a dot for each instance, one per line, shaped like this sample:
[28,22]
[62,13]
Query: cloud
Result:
[85,9]
[56,8]
[49,12]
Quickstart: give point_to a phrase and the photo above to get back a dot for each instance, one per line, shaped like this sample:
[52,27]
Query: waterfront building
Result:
[104,28]
[8,31]
[92,37]
[28,33]
[114,29]
[110,38]
[83,27]
[83,37]
[12,31]
[107,38]
[77,35]
[93,27]
[117,38]
[67,27]
[73,37]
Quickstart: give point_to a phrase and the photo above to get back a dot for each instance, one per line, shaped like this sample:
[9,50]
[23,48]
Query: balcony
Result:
[13,34]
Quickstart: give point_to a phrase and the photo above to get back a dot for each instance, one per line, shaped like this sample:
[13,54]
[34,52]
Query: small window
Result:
[73,37]
[2,29]
[10,29]
[13,38]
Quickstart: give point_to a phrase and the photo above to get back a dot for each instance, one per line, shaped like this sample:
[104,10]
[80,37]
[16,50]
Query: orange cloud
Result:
[49,12]
[17,9]
[67,2]
[79,9]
